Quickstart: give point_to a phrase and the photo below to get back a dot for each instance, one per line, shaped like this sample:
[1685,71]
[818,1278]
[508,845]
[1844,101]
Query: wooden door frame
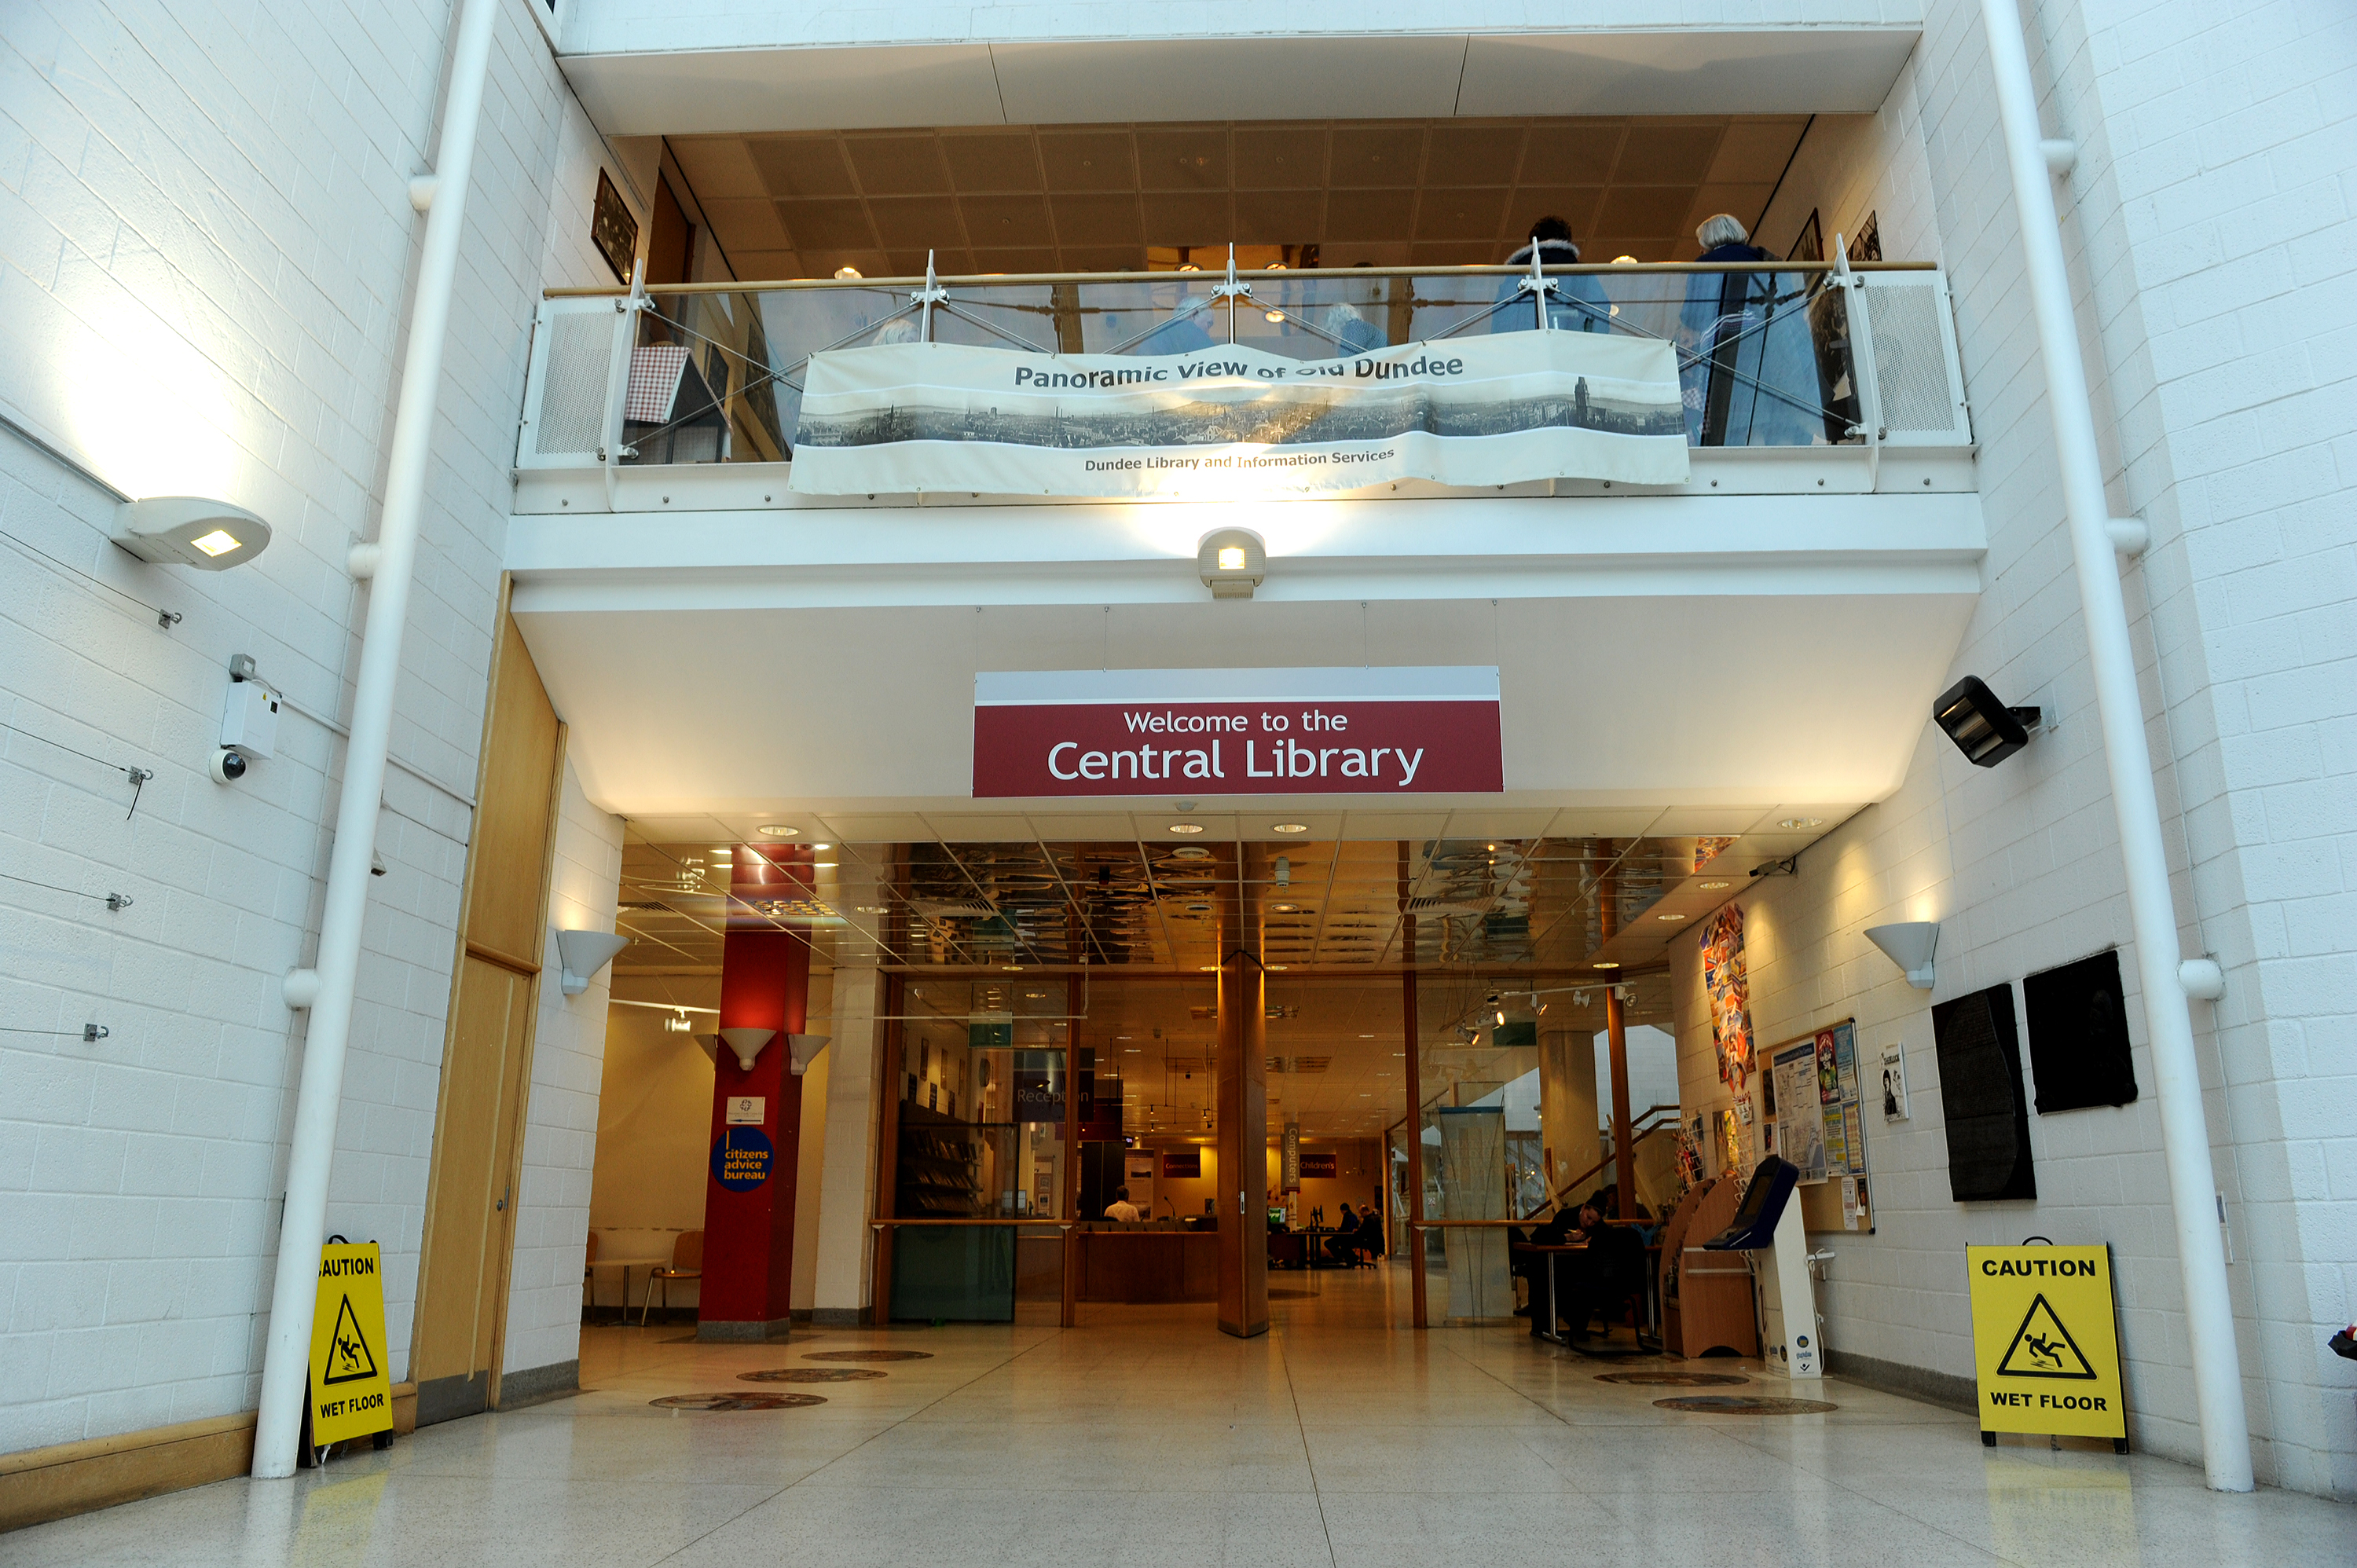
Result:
[527,968]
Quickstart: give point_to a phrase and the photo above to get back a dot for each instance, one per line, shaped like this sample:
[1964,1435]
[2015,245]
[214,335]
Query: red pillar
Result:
[749,1224]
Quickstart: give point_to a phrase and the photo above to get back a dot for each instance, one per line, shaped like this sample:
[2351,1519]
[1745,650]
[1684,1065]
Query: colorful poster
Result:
[1853,1138]
[1837,1139]
[1730,1003]
[1828,1070]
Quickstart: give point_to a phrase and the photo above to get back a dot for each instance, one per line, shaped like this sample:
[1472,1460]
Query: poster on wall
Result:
[1730,1003]
[1232,422]
[1801,1133]
[1894,1082]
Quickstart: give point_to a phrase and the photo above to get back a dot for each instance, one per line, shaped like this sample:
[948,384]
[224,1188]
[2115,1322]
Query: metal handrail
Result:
[1001,280]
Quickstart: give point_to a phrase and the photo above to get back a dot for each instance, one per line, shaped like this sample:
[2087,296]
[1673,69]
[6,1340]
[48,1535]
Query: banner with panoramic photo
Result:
[1230,421]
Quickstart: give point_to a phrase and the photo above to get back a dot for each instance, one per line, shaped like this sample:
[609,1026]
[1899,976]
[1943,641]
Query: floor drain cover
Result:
[737,1401]
[869,1356]
[1675,1380]
[837,1375]
[1746,1404]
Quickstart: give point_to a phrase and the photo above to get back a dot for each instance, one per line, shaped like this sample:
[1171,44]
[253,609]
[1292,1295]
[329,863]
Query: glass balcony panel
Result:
[1764,357]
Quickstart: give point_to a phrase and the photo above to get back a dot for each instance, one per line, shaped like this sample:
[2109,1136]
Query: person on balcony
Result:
[1749,375]
[1577,304]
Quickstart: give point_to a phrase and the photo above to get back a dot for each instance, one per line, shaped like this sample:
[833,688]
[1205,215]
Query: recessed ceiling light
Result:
[1669,917]
[1186,827]
[1289,827]
[872,910]
[1606,963]
[1209,968]
[1277,968]
[1012,968]
[1801,822]
[778,831]
[1285,909]
[819,846]
[1715,887]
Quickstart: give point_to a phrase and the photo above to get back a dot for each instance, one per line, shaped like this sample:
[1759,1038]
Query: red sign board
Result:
[1320,1167]
[1182,1163]
[1382,731]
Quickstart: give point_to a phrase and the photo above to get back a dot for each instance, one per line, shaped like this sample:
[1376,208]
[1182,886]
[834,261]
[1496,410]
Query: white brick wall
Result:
[2208,225]
[205,263]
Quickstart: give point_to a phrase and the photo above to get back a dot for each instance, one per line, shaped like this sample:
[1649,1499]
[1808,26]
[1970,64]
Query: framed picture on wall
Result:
[1894,1082]
[613,229]
[1866,245]
[1810,246]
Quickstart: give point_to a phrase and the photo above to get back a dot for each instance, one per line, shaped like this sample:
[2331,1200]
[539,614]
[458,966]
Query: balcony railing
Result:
[1791,359]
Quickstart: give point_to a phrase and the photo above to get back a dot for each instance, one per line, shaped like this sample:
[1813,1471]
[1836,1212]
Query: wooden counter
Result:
[1150,1265]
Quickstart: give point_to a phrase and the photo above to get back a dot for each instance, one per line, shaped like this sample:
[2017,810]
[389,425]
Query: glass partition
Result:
[1764,355]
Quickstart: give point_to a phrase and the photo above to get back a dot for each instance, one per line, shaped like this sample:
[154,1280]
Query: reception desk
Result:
[1144,1263]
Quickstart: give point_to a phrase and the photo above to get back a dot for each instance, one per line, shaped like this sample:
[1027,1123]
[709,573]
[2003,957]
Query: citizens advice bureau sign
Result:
[1380,731]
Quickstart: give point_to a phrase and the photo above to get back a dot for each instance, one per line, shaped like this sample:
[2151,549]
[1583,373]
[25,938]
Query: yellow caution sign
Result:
[2044,1344]
[352,1386]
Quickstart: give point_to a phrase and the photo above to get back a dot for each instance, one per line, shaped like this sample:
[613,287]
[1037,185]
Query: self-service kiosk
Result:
[1768,1222]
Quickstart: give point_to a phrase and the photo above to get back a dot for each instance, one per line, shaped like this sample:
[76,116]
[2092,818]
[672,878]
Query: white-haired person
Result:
[1723,312]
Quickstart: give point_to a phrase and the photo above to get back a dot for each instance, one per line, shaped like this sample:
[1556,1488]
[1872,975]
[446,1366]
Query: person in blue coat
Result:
[1577,305]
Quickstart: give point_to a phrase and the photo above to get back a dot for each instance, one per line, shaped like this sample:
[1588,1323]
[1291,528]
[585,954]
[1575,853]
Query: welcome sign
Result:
[1231,421]
[1380,731]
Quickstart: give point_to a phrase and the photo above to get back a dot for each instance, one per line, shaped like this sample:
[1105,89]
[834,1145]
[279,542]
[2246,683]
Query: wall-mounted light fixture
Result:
[1909,944]
[190,531]
[1983,728]
[747,1043]
[803,1049]
[1232,562]
[581,954]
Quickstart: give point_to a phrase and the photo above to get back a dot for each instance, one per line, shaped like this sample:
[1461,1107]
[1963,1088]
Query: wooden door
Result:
[470,1201]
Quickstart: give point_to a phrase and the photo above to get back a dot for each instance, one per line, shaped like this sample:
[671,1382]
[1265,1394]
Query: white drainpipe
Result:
[2168,1023]
[388,565]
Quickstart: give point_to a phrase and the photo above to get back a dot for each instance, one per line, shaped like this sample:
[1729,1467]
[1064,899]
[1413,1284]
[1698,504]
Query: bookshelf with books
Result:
[940,1167]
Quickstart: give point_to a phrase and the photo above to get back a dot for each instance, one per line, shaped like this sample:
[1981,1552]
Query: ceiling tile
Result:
[801,166]
[1649,210]
[995,221]
[1376,155]
[743,226]
[1573,152]
[1473,154]
[1280,157]
[1280,217]
[925,222]
[1575,205]
[1187,219]
[1667,155]
[1755,151]
[1461,215]
[1369,214]
[827,225]
[717,167]
[898,166]
[1097,221]
[992,160]
[1191,158]
[1088,160]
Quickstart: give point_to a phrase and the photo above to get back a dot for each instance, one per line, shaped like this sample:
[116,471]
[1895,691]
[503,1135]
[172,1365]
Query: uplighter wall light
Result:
[1909,945]
[189,530]
[582,954]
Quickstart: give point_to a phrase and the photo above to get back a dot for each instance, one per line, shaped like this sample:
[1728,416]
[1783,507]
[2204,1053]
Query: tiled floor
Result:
[1145,1436]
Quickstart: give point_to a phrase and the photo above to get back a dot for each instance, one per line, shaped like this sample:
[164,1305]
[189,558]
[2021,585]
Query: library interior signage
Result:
[1388,731]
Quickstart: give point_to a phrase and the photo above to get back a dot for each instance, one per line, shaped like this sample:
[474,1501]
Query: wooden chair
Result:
[686,1263]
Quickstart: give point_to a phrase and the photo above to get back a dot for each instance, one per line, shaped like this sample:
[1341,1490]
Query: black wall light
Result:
[1985,729]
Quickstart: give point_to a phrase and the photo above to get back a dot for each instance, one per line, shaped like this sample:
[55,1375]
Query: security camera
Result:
[229,765]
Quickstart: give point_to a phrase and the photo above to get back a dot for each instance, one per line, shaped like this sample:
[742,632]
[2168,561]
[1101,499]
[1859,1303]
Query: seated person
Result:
[1532,1267]
[1121,1207]
[1370,1234]
[1342,1246]
[1600,1278]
